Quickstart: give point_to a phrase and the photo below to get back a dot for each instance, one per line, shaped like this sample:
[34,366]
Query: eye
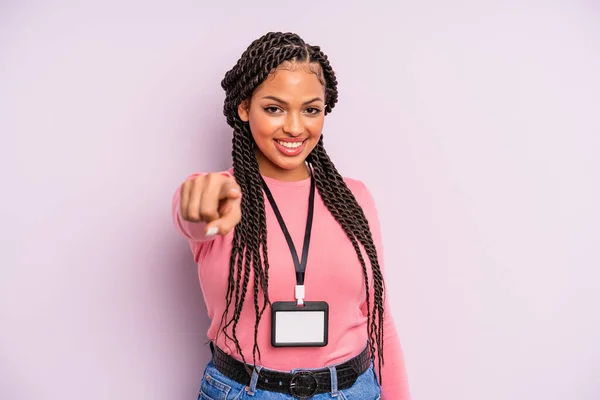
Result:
[272,110]
[313,111]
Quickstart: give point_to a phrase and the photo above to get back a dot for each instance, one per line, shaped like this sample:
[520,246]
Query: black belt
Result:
[302,384]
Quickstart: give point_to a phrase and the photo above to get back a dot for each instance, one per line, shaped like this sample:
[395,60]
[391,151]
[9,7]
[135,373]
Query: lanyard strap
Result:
[299,264]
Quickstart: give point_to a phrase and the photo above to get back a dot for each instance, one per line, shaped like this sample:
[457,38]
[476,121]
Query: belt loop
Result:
[334,381]
[254,381]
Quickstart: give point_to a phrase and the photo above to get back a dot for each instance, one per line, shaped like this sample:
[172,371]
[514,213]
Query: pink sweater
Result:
[333,274]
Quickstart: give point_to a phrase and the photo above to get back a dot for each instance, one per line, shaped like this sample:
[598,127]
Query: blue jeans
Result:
[216,386]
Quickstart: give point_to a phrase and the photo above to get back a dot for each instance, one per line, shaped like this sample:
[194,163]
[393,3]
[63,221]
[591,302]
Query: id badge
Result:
[299,326]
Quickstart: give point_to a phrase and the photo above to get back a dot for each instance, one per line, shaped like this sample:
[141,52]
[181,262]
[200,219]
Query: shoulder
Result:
[361,193]
[367,203]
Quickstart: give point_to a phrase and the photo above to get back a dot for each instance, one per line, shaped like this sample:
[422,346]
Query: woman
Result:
[288,251]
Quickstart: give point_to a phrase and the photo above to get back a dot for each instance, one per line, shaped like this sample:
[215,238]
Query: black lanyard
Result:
[299,264]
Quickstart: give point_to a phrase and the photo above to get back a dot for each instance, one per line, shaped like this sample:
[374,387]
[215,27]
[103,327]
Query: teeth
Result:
[290,145]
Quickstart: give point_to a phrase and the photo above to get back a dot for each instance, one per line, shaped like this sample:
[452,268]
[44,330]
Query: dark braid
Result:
[249,244]
[345,209]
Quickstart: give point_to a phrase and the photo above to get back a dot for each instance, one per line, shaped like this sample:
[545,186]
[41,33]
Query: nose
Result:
[293,125]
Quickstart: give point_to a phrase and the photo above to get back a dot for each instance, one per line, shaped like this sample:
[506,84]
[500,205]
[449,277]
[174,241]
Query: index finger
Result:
[230,190]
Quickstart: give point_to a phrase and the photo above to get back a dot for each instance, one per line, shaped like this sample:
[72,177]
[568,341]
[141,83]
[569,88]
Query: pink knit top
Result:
[333,274]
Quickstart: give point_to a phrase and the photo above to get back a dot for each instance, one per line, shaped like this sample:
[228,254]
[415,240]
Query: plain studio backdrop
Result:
[475,124]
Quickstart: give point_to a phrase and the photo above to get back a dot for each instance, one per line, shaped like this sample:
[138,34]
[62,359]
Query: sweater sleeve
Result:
[394,376]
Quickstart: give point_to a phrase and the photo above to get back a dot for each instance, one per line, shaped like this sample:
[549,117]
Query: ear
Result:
[244,110]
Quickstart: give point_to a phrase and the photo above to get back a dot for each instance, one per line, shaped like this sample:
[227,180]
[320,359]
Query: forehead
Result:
[292,81]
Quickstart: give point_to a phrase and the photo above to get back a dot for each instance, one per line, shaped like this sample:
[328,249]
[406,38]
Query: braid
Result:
[331,94]
[342,204]
[249,255]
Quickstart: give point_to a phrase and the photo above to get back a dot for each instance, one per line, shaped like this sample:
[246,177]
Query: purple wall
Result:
[475,124]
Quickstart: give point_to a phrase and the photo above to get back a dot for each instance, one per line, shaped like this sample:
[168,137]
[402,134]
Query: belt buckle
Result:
[303,385]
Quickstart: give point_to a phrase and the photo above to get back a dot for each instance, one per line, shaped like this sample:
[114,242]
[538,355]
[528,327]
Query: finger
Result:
[209,205]
[230,190]
[231,215]
[184,199]
[193,207]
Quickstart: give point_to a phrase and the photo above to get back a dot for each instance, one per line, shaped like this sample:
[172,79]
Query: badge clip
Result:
[300,293]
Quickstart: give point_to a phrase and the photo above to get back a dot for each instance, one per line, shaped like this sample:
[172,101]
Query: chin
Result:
[291,165]
[287,162]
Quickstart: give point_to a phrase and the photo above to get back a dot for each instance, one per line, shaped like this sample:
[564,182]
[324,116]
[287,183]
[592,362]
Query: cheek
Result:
[314,126]
[263,126]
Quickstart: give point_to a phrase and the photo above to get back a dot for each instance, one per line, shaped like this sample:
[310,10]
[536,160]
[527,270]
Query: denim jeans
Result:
[216,386]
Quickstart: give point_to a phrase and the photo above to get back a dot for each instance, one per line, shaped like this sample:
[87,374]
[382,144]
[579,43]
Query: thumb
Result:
[230,214]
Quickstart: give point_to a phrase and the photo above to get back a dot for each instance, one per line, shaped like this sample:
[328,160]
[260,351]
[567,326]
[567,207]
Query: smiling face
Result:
[286,117]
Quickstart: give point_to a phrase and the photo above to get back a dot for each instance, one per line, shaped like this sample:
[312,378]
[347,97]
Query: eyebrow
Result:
[277,99]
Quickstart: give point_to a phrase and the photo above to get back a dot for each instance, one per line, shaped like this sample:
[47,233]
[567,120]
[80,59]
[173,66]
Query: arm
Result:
[395,379]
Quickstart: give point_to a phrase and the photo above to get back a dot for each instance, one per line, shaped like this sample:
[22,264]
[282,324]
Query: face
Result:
[286,117]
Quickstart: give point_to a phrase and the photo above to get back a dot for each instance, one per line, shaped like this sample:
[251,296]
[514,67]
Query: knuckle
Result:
[208,213]
[185,188]
[192,215]
[212,177]
[226,178]
[213,180]
[193,211]
[198,181]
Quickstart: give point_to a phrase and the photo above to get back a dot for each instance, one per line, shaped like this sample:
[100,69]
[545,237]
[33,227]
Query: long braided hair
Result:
[249,246]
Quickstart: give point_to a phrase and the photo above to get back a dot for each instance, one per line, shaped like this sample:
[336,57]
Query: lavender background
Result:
[475,124]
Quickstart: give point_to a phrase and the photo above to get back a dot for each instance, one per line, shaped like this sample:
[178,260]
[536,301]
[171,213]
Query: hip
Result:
[334,381]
